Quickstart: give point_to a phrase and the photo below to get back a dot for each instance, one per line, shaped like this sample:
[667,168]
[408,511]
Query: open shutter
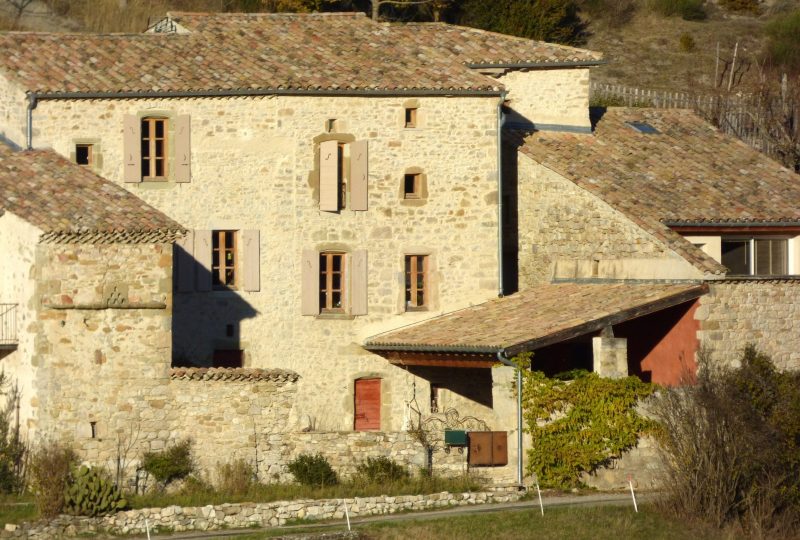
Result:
[329,176]
[132,148]
[359,175]
[251,259]
[183,148]
[358,283]
[310,284]
[184,262]
[202,254]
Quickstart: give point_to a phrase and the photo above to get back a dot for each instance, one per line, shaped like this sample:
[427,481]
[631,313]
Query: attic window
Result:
[643,127]
[411,117]
[83,154]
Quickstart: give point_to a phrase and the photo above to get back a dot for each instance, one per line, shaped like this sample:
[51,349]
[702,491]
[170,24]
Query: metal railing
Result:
[8,325]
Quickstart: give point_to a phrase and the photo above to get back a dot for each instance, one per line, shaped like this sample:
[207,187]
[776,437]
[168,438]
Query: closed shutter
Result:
[132,148]
[184,262]
[202,254]
[367,405]
[329,176]
[183,148]
[359,175]
[358,283]
[251,260]
[310,282]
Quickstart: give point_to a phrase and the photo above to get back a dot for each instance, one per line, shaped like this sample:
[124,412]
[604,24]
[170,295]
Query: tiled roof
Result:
[261,53]
[689,172]
[70,203]
[536,317]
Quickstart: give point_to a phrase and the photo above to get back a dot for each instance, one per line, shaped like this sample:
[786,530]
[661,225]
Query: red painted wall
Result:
[662,346]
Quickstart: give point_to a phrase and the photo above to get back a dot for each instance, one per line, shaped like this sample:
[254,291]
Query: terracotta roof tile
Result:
[265,52]
[70,203]
[689,172]
[233,374]
[529,318]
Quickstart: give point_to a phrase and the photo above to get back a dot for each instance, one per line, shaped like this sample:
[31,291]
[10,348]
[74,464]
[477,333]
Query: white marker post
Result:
[147,528]
[346,514]
[541,506]
[633,495]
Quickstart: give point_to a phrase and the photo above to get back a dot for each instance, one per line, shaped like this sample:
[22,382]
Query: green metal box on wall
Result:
[455,437]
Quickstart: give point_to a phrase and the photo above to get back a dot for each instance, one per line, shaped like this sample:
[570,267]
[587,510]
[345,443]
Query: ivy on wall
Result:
[579,421]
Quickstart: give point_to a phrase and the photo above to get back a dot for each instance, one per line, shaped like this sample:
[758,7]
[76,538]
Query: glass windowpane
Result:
[736,256]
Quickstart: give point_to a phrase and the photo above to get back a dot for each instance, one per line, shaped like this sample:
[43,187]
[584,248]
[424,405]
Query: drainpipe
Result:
[29,127]
[503,359]
[501,119]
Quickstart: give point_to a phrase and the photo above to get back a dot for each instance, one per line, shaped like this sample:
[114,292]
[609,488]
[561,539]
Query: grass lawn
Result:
[16,509]
[596,523]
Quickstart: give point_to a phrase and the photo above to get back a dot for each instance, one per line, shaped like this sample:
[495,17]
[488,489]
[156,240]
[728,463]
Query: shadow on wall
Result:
[473,384]
[510,221]
[206,317]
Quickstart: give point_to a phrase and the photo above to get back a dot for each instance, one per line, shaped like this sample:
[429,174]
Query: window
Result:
[154,148]
[330,125]
[331,282]
[411,117]
[416,282]
[435,397]
[756,256]
[83,154]
[343,168]
[223,259]
[412,186]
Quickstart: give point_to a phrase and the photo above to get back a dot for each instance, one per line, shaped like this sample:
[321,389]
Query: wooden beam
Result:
[450,360]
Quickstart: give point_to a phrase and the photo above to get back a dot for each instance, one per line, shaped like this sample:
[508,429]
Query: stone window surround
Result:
[432,286]
[346,251]
[422,197]
[420,119]
[168,181]
[96,164]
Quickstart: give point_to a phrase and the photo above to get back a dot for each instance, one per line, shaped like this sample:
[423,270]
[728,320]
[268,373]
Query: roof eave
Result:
[536,65]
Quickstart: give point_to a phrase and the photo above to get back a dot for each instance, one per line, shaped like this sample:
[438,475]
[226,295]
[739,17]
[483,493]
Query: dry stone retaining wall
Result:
[235,516]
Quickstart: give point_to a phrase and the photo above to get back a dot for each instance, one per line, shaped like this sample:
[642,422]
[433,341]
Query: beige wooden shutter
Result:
[132,148]
[202,254]
[183,148]
[251,260]
[310,284]
[358,283]
[329,176]
[359,175]
[184,262]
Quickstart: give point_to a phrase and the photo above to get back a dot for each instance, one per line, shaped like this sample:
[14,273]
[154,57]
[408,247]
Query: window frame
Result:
[326,293]
[147,134]
[89,154]
[218,245]
[416,180]
[411,273]
[751,242]
[410,117]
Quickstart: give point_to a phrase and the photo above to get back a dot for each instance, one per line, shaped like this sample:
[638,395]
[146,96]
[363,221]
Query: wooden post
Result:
[733,66]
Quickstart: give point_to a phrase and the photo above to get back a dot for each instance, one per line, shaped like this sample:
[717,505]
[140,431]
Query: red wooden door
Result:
[367,405]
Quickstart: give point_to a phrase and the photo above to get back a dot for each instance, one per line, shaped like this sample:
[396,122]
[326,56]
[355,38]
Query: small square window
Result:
[330,125]
[411,117]
[83,154]
[411,186]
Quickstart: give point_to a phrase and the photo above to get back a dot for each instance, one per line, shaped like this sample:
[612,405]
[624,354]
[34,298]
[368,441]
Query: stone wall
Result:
[549,98]
[763,312]
[254,167]
[247,515]
[13,112]
[566,232]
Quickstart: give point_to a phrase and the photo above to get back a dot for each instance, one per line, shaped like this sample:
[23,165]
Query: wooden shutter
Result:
[329,176]
[359,175]
[310,282]
[358,283]
[202,254]
[251,260]
[132,148]
[184,262]
[183,148]
[367,405]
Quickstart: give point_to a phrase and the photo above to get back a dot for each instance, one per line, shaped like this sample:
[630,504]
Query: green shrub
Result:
[174,463]
[731,447]
[313,470]
[12,449]
[50,468]
[381,470]
[783,46]
[235,478]
[687,43]
[690,10]
[91,493]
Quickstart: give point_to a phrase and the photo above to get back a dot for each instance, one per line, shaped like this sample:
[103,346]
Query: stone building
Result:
[356,197]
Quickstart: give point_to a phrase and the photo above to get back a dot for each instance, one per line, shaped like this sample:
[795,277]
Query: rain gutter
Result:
[532,65]
[501,119]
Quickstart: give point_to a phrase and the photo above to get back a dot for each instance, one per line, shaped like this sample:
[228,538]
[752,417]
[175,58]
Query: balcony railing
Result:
[8,326]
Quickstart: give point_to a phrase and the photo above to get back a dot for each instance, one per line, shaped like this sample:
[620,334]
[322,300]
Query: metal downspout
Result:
[501,119]
[501,356]
[29,126]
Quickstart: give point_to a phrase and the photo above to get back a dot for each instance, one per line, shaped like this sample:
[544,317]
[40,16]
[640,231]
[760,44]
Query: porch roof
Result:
[535,318]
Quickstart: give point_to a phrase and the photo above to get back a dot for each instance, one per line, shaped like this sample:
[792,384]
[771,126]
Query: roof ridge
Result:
[348,14]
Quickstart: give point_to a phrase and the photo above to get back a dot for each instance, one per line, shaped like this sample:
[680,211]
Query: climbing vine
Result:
[579,421]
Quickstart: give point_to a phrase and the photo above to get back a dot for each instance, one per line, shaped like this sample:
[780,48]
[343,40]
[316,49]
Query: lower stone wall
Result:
[641,465]
[245,515]
[762,312]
